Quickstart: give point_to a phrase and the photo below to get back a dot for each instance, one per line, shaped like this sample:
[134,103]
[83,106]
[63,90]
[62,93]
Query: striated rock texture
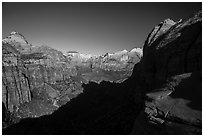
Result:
[171,70]
[28,71]
[37,80]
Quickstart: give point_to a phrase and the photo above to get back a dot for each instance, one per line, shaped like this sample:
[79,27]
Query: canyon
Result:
[37,80]
[154,90]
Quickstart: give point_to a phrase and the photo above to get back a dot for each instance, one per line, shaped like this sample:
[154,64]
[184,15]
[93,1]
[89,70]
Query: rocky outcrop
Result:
[18,41]
[171,71]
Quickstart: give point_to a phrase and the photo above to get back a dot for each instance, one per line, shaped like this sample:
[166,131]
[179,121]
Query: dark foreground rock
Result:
[104,109]
[172,72]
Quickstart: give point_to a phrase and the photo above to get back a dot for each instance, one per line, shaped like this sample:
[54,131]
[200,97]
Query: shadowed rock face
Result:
[103,109]
[171,69]
[176,51]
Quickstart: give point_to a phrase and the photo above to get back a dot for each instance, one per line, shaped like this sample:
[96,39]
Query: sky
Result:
[90,28]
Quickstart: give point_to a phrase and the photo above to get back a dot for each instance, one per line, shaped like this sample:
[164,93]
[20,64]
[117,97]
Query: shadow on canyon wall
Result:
[105,108]
[186,87]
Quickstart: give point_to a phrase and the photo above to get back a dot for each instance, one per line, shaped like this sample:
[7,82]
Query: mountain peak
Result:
[160,29]
[15,37]
[139,51]
[14,33]
[168,21]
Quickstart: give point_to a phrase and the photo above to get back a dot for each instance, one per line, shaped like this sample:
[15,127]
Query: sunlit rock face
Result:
[122,59]
[109,67]
[119,61]
[27,74]
[159,30]
[171,70]
[15,37]
[37,80]
[18,41]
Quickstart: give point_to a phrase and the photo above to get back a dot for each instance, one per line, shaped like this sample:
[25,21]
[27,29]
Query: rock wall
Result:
[26,75]
[171,71]
[174,49]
